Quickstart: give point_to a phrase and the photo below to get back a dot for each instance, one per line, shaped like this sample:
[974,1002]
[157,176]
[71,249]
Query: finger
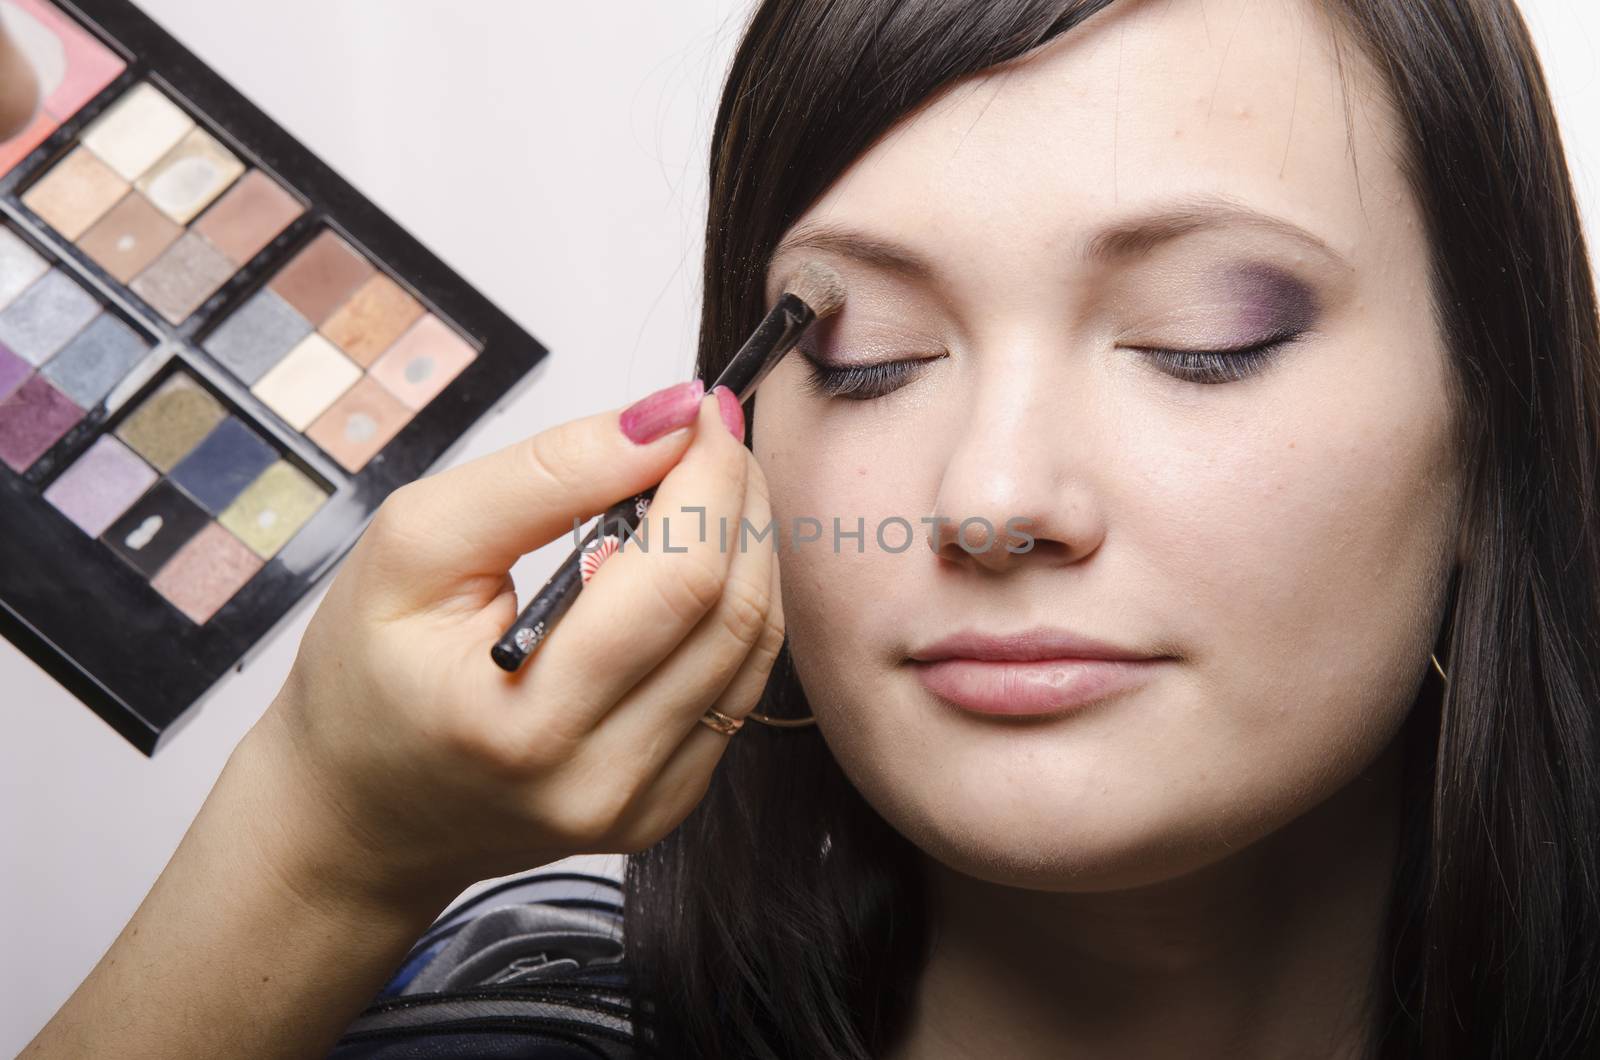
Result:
[473,522]
[724,663]
[647,597]
[681,781]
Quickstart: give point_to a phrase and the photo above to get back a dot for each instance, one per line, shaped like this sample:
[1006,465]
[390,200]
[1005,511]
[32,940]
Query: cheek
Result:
[841,593]
[1307,540]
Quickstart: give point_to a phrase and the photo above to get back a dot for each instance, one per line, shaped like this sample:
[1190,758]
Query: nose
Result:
[1018,488]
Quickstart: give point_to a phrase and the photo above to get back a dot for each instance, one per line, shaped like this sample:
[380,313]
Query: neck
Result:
[1269,952]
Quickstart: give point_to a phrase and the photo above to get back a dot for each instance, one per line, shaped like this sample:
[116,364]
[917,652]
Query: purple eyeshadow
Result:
[1275,302]
[32,419]
[100,486]
[13,370]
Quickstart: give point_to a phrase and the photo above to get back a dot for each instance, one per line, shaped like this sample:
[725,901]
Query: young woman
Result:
[1272,326]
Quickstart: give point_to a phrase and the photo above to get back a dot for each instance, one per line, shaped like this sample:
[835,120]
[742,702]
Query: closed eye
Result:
[860,382]
[1218,366]
[864,382]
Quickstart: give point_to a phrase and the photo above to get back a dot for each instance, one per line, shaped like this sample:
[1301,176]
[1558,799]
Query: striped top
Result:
[532,967]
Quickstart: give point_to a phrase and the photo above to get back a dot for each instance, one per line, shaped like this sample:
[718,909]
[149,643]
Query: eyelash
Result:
[865,382]
[859,382]
[1210,367]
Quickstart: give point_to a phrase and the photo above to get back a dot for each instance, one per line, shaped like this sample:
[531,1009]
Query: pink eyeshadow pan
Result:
[91,66]
[422,362]
[248,216]
[21,145]
[206,572]
[359,424]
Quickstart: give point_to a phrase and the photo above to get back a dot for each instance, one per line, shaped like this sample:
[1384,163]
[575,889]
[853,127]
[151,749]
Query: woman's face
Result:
[1280,533]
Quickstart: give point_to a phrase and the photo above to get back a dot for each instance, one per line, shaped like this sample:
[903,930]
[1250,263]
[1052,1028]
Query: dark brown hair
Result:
[785,918]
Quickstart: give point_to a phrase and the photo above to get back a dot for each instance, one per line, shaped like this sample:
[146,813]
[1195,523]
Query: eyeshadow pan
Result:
[183,277]
[256,336]
[138,129]
[190,176]
[223,464]
[129,237]
[83,68]
[359,424]
[273,509]
[171,421]
[33,419]
[45,316]
[302,385]
[206,573]
[20,266]
[75,193]
[92,363]
[372,319]
[151,532]
[249,216]
[13,370]
[321,277]
[423,362]
[100,485]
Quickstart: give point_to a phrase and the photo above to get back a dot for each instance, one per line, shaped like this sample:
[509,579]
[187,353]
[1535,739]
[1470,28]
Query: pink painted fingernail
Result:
[732,411]
[666,410]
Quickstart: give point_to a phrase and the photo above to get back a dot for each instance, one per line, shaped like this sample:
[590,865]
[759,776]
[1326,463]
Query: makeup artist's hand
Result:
[428,767]
[399,764]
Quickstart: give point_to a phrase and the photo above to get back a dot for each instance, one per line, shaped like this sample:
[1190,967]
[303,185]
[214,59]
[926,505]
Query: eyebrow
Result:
[1120,241]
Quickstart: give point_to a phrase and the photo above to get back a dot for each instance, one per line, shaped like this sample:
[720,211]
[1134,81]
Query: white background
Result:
[554,155]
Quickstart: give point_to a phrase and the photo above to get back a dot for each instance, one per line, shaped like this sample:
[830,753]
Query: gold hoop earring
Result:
[1436,666]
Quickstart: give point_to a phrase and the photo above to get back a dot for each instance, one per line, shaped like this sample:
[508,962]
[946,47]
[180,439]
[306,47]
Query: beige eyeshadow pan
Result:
[76,193]
[308,379]
[190,176]
[138,129]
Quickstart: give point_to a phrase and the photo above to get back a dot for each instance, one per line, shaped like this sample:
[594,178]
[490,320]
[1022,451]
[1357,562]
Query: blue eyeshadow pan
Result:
[223,464]
[95,361]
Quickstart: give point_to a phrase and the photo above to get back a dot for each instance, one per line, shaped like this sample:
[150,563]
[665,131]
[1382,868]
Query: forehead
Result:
[1145,105]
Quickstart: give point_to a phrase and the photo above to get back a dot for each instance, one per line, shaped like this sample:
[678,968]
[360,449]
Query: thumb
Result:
[473,522]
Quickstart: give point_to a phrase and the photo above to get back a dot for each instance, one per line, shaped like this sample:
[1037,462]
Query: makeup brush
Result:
[812,292]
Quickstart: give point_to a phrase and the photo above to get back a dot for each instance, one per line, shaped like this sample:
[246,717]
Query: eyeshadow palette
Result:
[216,359]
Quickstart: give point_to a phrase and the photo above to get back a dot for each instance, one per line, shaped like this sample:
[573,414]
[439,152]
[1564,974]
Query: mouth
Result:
[1037,671]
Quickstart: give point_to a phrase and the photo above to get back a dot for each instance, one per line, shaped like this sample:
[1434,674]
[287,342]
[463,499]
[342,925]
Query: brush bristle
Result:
[818,287]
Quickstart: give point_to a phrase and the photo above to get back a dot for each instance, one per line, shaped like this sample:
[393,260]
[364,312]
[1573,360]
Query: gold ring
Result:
[721,722]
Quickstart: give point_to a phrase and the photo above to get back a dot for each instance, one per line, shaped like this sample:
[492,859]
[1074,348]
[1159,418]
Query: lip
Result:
[1029,645]
[1037,671]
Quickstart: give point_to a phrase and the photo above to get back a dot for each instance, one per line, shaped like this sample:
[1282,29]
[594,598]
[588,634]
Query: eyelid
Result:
[871,340]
